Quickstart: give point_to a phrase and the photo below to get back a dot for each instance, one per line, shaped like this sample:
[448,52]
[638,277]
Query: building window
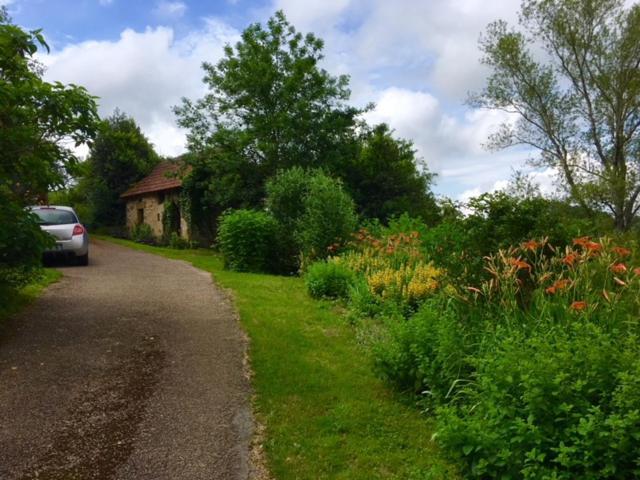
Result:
[161,197]
[140,216]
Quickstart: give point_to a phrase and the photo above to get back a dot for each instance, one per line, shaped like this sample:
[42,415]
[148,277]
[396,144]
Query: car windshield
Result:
[53,216]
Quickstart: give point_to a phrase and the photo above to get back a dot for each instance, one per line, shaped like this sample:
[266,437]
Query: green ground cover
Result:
[12,302]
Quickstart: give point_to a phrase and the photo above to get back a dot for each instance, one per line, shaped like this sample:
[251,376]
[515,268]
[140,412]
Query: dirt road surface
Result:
[130,368]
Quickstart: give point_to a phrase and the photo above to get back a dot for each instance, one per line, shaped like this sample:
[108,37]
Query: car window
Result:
[53,216]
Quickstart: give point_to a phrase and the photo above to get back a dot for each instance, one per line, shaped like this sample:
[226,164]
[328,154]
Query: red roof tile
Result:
[161,178]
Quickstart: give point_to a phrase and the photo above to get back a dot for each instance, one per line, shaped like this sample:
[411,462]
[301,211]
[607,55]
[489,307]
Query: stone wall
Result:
[148,208]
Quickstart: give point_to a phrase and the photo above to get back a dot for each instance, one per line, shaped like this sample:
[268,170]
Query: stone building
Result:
[147,200]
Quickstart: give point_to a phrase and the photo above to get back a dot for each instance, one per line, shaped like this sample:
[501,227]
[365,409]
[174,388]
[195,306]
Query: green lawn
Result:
[326,414]
[13,302]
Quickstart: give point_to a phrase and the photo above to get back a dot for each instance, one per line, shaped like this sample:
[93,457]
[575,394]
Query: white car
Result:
[72,239]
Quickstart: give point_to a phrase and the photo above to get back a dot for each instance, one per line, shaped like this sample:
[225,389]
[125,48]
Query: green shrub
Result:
[555,402]
[534,374]
[329,217]
[495,221]
[426,355]
[328,280]
[247,240]
[21,245]
[314,214]
[179,243]
[362,301]
[451,246]
[286,192]
[143,233]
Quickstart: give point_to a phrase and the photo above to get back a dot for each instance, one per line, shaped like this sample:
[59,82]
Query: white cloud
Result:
[546,180]
[168,10]
[144,74]
[437,38]
[312,15]
[451,146]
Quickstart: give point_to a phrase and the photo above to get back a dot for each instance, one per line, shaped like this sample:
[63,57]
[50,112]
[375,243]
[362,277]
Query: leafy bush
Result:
[496,221]
[328,220]
[179,243]
[286,193]
[452,246]
[328,280]
[143,233]
[315,214]
[362,301]
[426,355]
[22,242]
[247,240]
[534,372]
[559,402]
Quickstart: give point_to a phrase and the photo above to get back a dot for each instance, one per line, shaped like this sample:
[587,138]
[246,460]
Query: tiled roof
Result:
[161,178]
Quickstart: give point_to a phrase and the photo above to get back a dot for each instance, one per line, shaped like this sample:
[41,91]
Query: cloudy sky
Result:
[415,59]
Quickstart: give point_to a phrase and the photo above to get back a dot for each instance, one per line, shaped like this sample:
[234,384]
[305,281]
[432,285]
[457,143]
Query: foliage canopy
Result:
[40,124]
[120,156]
[580,105]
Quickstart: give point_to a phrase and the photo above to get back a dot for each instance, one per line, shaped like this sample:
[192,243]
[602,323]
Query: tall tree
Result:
[119,156]
[40,123]
[578,101]
[270,87]
[270,106]
[386,178]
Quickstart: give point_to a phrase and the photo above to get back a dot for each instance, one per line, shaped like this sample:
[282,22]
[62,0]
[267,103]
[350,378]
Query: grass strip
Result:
[14,301]
[326,414]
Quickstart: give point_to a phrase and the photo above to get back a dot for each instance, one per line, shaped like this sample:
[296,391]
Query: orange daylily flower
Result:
[619,268]
[593,247]
[582,241]
[558,285]
[636,270]
[531,245]
[519,264]
[621,251]
[570,259]
[578,305]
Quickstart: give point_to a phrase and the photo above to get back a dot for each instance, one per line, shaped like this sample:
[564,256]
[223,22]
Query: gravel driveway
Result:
[131,368]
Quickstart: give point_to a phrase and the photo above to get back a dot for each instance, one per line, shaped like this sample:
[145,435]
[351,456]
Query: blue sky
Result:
[415,59]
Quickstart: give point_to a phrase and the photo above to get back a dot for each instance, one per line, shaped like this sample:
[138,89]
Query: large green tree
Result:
[40,124]
[576,99]
[270,106]
[386,178]
[270,89]
[119,156]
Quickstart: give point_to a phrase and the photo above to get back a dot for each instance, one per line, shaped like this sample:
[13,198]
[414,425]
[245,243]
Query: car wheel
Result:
[83,260]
